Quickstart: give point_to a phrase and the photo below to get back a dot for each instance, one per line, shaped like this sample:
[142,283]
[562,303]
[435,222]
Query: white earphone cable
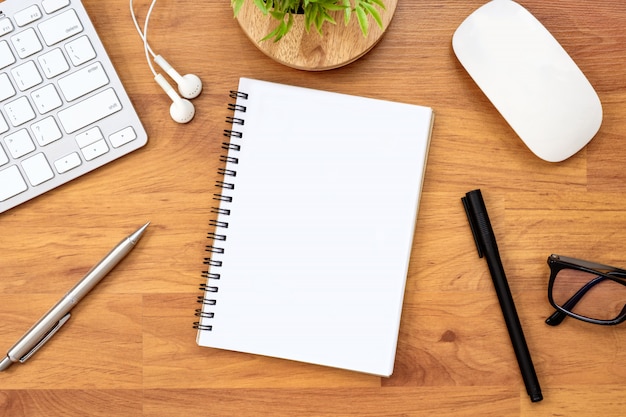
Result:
[144,35]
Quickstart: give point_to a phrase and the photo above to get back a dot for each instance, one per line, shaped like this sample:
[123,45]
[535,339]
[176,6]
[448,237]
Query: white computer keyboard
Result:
[63,109]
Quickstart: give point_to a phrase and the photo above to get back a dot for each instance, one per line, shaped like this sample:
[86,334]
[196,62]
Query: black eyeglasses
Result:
[588,291]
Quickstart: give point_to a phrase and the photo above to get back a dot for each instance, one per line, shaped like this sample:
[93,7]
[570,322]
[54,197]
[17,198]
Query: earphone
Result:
[189,85]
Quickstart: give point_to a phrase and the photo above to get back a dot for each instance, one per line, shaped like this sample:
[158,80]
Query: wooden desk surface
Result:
[129,349]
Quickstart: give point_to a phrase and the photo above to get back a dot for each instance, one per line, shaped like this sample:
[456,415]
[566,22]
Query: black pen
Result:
[487,246]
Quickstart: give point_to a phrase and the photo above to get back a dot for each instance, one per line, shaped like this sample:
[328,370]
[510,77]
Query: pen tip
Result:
[134,238]
[5,363]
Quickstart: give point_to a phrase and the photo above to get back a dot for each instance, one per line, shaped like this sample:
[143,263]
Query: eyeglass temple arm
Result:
[558,316]
[591,265]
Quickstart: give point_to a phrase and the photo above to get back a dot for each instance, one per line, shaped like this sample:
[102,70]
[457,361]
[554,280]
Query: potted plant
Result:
[316,13]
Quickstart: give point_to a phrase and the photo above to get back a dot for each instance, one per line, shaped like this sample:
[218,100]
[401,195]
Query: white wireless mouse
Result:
[529,78]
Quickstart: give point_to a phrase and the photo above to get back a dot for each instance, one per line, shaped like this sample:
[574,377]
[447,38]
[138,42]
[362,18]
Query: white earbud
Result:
[181,110]
[189,85]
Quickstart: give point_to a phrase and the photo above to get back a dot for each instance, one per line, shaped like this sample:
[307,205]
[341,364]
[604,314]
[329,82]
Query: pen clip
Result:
[46,337]
[473,227]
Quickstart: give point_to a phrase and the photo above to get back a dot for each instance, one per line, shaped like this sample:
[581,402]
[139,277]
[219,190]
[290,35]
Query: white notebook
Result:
[317,209]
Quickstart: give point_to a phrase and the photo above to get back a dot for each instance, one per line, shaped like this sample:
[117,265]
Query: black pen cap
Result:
[478,219]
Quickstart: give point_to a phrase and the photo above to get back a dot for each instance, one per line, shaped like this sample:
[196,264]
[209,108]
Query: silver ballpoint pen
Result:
[58,315]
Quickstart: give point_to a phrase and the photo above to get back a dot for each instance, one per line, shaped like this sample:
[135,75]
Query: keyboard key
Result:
[5,26]
[123,137]
[3,155]
[37,169]
[67,163]
[53,63]
[46,131]
[60,27]
[89,111]
[46,99]
[51,6]
[26,75]
[28,15]
[95,150]
[83,81]
[19,143]
[26,43]
[3,125]
[12,183]
[80,51]
[6,88]
[19,111]
[6,56]
[88,137]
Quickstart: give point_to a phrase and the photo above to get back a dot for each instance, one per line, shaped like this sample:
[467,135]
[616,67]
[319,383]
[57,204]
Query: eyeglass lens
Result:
[589,295]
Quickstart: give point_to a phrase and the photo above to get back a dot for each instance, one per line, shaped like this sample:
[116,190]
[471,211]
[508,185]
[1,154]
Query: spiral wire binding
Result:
[210,287]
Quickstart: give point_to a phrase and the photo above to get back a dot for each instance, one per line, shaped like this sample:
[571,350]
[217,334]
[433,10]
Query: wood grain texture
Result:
[129,349]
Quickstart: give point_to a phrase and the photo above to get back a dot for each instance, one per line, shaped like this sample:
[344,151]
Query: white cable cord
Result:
[144,34]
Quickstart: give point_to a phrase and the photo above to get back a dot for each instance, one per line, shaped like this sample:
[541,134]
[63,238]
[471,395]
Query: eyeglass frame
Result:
[558,263]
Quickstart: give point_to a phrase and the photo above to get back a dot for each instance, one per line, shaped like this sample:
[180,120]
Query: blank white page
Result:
[320,228]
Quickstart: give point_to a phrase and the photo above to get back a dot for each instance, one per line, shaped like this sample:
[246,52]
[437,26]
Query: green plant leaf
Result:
[362,18]
[277,15]
[379,3]
[373,12]
[347,11]
[282,29]
[262,5]
[236,5]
